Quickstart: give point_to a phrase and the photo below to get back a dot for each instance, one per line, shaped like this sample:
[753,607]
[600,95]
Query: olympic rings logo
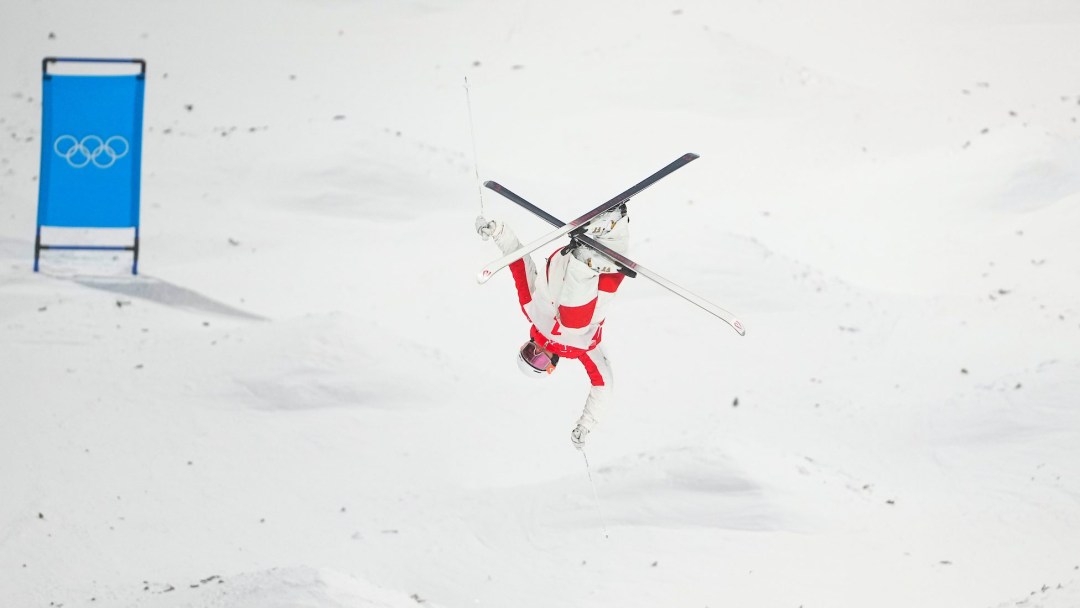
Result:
[103,153]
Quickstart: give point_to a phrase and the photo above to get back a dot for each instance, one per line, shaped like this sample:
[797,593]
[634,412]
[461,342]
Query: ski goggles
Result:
[539,360]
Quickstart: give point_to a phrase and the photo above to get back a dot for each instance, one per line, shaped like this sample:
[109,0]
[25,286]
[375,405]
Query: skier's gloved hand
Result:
[488,228]
[577,436]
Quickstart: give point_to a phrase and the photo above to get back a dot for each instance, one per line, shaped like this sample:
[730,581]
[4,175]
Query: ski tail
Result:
[694,299]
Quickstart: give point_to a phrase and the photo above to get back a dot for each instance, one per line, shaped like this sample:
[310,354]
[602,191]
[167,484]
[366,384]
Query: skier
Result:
[567,308]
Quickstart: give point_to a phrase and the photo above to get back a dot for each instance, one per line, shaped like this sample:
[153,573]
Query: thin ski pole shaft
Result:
[476,157]
[596,496]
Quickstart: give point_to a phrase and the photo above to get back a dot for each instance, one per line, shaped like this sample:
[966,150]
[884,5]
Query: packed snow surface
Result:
[305,400]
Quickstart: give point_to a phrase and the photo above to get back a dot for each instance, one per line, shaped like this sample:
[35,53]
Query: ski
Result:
[629,267]
[697,300]
[584,220]
[613,255]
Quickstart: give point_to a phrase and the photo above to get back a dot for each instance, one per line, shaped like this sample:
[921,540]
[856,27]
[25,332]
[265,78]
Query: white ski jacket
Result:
[567,308]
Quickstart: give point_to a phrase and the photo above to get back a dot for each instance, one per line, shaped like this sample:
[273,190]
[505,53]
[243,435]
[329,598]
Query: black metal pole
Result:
[135,259]
[37,248]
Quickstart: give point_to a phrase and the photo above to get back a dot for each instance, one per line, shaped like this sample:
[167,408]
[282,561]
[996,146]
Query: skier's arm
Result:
[600,393]
[523,270]
[595,404]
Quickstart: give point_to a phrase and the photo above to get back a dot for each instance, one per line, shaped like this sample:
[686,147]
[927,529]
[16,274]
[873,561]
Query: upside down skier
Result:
[567,305]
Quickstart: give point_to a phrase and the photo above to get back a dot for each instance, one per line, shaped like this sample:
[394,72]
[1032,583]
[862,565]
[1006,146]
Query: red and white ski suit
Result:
[567,309]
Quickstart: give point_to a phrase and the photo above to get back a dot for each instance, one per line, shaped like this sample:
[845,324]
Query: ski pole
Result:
[596,496]
[476,157]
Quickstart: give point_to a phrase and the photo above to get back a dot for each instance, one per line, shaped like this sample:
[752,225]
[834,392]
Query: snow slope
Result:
[305,400]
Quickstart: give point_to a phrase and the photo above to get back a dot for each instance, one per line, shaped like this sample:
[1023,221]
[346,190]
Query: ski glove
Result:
[577,436]
[488,228]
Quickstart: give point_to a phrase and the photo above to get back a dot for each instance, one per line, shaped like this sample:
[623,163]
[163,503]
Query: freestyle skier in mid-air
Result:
[567,304]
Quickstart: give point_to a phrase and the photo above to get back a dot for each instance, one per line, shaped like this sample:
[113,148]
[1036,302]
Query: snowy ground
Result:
[305,400]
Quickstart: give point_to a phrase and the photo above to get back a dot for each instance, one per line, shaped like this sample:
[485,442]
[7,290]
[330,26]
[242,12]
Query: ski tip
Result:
[738,327]
[492,185]
[689,156]
[484,275]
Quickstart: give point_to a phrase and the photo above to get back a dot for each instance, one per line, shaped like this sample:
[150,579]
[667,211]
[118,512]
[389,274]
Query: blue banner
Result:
[91,151]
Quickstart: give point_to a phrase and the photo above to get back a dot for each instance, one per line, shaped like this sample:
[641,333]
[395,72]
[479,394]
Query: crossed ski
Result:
[584,220]
[626,265]
[576,229]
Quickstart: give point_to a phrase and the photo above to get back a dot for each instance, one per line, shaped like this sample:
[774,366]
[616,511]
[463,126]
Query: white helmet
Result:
[534,361]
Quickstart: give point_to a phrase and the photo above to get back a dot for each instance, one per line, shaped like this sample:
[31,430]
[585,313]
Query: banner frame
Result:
[136,175]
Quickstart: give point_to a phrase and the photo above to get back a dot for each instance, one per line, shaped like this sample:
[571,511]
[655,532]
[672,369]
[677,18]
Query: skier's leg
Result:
[617,238]
[574,289]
